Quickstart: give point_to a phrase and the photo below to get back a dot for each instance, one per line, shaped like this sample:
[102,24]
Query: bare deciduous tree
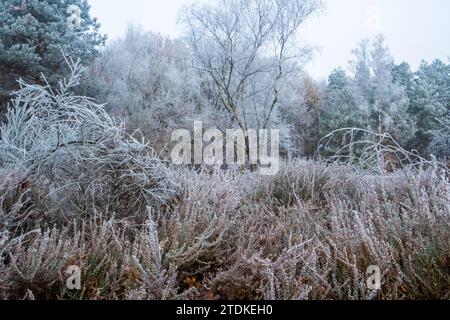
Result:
[248,49]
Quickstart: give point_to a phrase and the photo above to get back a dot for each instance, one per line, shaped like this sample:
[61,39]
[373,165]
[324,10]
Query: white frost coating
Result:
[73,146]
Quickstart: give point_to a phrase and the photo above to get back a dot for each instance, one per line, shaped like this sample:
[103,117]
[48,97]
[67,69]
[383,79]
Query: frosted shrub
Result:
[76,156]
[379,153]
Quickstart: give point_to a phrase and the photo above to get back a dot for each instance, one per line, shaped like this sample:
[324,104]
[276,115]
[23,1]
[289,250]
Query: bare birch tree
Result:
[248,48]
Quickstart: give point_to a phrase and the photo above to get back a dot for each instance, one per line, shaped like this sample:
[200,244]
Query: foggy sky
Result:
[414,29]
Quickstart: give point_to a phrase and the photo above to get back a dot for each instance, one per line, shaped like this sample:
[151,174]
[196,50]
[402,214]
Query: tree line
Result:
[240,65]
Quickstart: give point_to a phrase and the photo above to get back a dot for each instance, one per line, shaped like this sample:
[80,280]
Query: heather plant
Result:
[227,235]
[115,265]
[323,251]
[199,227]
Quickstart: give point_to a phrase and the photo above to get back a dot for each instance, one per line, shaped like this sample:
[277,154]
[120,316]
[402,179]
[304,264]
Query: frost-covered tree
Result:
[341,109]
[389,99]
[248,49]
[378,94]
[429,102]
[148,80]
[440,143]
[303,115]
[362,74]
[373,97]
[33,34]
[403,76]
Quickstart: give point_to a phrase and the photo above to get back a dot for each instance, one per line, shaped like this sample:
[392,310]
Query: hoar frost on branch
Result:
[247,49]
[73,149]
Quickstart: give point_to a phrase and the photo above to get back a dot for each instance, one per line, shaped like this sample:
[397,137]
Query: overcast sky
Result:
[414,29]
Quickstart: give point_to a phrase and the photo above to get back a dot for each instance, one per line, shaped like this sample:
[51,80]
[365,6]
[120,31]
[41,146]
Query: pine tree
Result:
[382,98]
[429,102]
[341,108]
[403,76]
[33,35]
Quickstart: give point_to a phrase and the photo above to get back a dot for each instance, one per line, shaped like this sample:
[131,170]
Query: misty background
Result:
[414,29]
